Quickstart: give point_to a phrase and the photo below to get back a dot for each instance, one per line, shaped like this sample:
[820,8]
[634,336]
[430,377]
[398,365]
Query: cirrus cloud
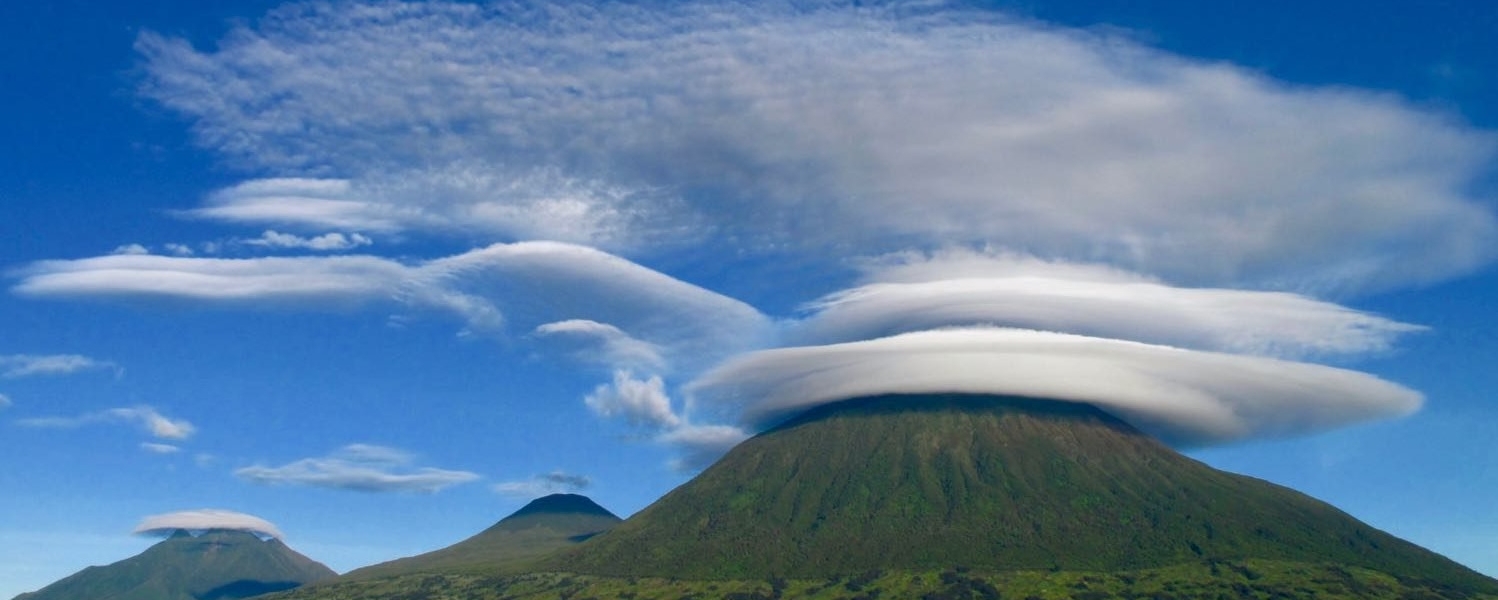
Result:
[360,468]
[809,128]
[153,422]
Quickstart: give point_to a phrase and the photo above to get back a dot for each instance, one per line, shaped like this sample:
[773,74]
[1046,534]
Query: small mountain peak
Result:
[562,504]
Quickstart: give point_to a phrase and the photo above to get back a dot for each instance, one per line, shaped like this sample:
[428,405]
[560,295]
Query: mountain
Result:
[216,565]
[544,525]
[991,483]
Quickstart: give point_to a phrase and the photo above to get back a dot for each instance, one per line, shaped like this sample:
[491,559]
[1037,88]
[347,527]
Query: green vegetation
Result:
[541,527]
[1249,579]
[217,565]
[999,484]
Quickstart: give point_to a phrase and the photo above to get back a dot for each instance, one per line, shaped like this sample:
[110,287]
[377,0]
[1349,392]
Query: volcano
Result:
[994,483]
[214,565]
[545,525]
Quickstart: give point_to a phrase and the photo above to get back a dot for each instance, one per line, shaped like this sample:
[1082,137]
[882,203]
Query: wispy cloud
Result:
[545,285]
[205,519]
[326,242]
[5,401]
[29,365]
[555,482]
[604,344]
[638,128]
[700,445]
[362,468]
[156,448]
[146,417]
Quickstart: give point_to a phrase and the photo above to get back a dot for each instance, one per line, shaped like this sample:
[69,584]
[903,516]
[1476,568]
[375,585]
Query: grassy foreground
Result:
[1262,579]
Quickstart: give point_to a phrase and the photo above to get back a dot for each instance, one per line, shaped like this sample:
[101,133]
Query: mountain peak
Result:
[544,525]
[935,480]
[562,504]
[222,564]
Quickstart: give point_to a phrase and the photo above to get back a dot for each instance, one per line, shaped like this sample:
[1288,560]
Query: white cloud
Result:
[155,448]
[604,344]
[830,130]
[179,249]
[30,365]
[530,284]
[326,242]
[131,249]
[359,467]
[330,278]
[206,519]
[5,401]
[1093,301]
[701,444]
[153,422]
[555,482]
[641,402]
[1185,397]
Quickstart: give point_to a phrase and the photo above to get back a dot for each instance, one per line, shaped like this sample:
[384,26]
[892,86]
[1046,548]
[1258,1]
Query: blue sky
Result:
[380,273]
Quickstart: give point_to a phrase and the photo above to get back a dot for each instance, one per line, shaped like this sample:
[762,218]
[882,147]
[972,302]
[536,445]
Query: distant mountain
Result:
[999,484]
[216,565]
[543,526]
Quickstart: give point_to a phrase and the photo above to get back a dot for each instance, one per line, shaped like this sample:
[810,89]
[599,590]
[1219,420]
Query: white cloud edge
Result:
[206,519]
[361,468]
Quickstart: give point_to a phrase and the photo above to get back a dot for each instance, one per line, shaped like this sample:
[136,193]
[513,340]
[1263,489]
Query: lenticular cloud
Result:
[1185,397]
[204,520]
[1051,213]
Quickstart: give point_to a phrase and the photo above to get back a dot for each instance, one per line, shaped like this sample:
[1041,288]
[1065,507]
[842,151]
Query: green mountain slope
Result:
[543,526]
[991,483]
[217,565]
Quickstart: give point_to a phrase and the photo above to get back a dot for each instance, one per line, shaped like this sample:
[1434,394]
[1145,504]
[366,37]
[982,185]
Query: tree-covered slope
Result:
[544,525]
[992,483]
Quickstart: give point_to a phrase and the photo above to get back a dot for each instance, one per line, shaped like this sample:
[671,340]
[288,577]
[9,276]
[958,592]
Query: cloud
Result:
[531,284]
[604,344]
[30,365]
[131,249]
[203,520]
[153,422]
[555,482]
[360,468]
[641,402]
[701,445]
[332,278]
[5,401]
[326,242]
[755,129]
[156,448]
[1185,397]
[1021,292]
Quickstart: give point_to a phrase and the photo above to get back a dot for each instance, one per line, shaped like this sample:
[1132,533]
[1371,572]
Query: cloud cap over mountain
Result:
[205,519]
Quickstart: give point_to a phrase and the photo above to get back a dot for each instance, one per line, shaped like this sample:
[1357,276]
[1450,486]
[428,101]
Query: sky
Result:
[370,276]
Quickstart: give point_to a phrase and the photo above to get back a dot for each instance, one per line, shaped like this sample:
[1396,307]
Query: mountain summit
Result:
[544,525]
[998,483]
[215,565]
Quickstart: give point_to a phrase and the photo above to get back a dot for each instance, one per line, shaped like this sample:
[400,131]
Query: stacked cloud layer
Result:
[1038,211]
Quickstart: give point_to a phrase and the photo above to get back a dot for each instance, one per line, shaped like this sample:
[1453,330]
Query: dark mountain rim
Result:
[543,526]
[994,483]
[216,565]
